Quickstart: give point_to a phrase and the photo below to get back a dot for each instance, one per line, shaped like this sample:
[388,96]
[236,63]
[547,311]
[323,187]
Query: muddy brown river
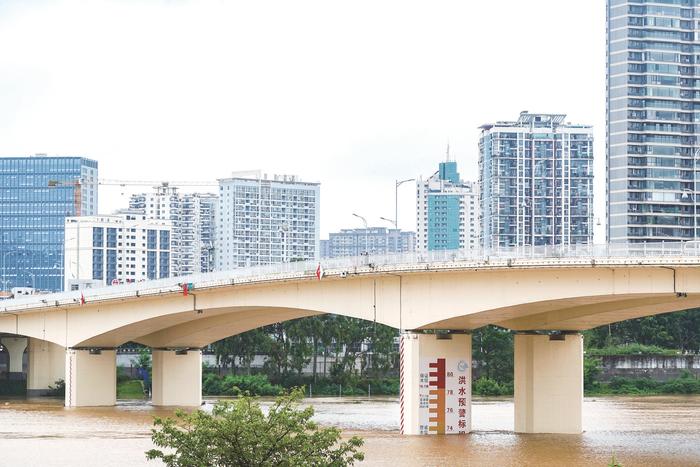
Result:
[639,431]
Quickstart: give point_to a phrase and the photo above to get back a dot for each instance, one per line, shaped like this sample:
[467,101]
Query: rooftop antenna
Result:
[448,151]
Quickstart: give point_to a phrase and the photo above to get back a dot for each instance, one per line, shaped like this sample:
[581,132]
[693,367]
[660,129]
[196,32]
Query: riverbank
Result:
[259,385]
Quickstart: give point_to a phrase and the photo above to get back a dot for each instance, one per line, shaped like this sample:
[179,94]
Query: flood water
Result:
[641,431]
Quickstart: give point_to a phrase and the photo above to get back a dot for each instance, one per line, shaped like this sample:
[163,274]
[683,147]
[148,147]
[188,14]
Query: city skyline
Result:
[421,84]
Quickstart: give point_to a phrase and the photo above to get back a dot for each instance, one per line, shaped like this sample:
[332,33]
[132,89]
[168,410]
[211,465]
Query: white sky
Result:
[351,94]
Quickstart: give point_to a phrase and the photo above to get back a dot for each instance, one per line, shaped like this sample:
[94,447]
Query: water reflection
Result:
[649,431]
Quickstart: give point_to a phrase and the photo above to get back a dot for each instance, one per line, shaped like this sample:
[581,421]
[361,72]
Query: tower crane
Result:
[153,183]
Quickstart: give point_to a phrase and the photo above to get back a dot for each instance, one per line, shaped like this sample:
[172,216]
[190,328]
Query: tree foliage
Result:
[679,331]
[492,350]
[348,349]
[240,433]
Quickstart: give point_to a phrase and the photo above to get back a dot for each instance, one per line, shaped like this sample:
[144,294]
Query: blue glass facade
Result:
[32,216]
[653,106]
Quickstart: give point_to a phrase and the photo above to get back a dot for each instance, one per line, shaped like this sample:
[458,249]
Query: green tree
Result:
[492,350]
[277,351]
[239,433]
[143,360]
[678,330]
[591,370]
[240,348]
[300,349]
[384,356]
[350,333]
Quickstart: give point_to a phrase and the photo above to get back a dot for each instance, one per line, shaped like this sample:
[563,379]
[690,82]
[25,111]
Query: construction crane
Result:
[160,186]
[255,174]
[153,183]
[77,185]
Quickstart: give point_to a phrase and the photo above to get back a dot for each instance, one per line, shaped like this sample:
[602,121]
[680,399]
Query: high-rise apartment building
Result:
[264,221]
[447,211]
[36,195]
[653,104]
[536,182]
[192,216]
[116,249]
[374,240]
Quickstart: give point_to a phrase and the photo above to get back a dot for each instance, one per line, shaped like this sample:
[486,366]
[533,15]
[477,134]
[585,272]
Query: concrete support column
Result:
[46,365]
[548,383]
[177,377]
[436,383]
[91,377]
[15,346]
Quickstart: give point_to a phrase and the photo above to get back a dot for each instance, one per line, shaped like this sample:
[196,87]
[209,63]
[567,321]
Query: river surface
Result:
[640,431]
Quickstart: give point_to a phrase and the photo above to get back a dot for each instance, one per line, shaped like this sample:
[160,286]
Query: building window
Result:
[97,237]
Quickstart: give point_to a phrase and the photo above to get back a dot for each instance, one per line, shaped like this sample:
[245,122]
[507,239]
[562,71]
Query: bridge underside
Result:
[197,329]
[575,314]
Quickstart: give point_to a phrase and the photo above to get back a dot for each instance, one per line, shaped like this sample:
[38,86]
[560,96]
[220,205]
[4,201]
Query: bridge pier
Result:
[46,365]
[15,347]
[548,383]
[177,377]
[436,383]
[91,377]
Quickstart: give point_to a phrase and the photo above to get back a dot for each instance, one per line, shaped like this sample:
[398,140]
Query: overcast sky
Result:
[351,94]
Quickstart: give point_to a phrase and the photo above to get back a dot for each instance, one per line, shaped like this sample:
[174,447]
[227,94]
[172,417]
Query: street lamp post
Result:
[364,221]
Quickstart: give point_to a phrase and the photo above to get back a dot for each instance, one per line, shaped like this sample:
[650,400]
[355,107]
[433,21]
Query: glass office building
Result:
[535,182]
[653,104]
[36,195]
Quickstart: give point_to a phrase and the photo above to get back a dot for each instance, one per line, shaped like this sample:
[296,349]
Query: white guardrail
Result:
[547,255]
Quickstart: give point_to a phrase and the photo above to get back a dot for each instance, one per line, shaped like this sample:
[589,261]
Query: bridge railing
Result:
[305,268]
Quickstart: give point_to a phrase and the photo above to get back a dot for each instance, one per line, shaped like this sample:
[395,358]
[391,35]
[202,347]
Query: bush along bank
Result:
[686,384]
[236,385]
[489,387]
[260,385]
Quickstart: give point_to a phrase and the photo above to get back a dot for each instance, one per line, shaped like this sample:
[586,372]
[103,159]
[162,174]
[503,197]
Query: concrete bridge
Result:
[545,294]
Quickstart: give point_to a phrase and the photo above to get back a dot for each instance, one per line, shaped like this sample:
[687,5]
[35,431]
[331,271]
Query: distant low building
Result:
[116,249]
[375,240]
